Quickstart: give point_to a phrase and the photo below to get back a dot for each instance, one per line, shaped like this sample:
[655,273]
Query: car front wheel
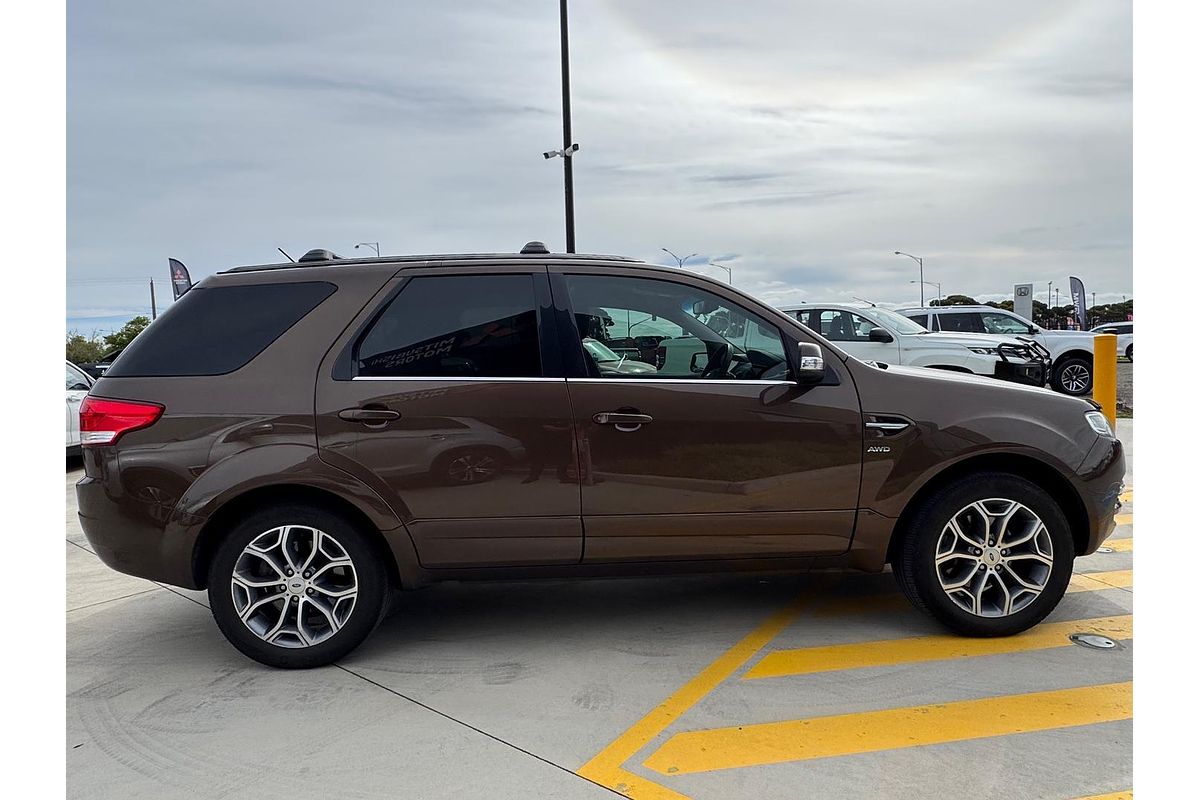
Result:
[989,555]
[296,587]
[1073,376]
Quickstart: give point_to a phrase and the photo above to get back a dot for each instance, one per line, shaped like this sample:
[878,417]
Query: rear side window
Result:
[212,331]
[455,326]
[965,322]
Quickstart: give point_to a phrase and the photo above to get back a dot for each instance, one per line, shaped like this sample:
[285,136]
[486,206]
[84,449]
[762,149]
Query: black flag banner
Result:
[181,281]
[1079,300]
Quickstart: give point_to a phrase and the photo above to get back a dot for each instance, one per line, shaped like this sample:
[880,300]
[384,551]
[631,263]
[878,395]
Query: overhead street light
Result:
[679,260]
[373,245]
[932,283]
[921,273]
[728,271]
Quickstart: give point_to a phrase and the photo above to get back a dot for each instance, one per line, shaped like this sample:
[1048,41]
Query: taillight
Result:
[103,421]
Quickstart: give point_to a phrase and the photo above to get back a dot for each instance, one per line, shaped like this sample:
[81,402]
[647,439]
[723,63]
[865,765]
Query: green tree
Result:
[955,300]
[123,337]
[82,350]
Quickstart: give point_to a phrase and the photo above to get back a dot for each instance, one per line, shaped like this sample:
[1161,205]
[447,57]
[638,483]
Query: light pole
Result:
[728,271]
[932,283]
[373,245]
[569,148]
[921,273]
[680,261]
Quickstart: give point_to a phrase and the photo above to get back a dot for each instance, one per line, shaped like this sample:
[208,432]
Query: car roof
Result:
[818,304]
[977,307]
[311,259]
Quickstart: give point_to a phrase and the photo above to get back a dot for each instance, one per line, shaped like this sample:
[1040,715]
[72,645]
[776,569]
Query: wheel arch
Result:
[258,497]
[1074,353]
[1020,465]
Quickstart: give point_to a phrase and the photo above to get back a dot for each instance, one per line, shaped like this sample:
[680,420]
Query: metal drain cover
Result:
[1092,640]
[1104,550]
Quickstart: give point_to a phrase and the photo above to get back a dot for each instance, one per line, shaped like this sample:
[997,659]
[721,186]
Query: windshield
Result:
[600,351]
[900,324]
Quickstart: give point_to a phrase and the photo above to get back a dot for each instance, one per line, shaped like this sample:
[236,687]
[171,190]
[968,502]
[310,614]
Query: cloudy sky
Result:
[799,141]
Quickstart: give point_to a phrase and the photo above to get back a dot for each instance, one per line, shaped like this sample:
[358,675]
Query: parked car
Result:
[1124,333]
[878,334]
[270,406]
[78,384]
[1071,352]
[97,368]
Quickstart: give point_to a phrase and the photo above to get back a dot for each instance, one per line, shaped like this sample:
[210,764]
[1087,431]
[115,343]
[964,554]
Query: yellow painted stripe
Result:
[1124,519]
[889,601]
[1127,496]
[872,731]
[912,650]
[1120,545]
[1123,795]
[606,767]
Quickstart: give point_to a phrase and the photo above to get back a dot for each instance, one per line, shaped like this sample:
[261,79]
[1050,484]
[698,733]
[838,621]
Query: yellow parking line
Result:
[892,729]
[606,769]
[886,601]
[1124,519]
[1127,496]
[1127,794]
[887,652]
[1120,545]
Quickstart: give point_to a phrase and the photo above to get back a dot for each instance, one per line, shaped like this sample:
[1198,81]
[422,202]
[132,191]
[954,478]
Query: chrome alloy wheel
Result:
[294,586]
[1075,378]
[472,468]
[994,557]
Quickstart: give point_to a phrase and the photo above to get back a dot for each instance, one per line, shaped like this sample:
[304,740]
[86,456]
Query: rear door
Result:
[447,397]
[720,456]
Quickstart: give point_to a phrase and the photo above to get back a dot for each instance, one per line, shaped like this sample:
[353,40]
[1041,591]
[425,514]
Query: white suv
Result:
[1124,334]
[870,333]
[1071,352]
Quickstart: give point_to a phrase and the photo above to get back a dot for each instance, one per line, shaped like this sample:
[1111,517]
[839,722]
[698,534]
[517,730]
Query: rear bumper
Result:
[128,534]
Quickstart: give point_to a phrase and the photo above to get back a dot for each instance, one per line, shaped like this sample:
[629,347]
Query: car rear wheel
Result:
[989,555]
[296,587]
[1073,376]
[1129,352]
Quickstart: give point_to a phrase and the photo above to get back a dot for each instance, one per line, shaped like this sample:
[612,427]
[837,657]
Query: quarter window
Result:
[693,333]
[478,326]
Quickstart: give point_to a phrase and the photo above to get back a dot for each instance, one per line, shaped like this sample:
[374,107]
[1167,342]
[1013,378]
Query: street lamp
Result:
[680,261]
[921,272]
[932,283]
[373,245]
[569,148]
[728,271]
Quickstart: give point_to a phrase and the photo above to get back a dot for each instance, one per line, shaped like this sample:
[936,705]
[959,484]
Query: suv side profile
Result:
[302,439]
[1071,352]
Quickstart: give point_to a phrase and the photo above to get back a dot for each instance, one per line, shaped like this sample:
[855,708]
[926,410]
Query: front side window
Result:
[691,333]
[1002,323]
[76,380]
[842,326]
[964,322]
[455,326]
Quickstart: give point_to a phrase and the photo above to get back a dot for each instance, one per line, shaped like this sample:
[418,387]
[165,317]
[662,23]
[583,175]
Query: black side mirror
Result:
[810,363]
[879,335]
[1032,330]
[79,387]
[699,361]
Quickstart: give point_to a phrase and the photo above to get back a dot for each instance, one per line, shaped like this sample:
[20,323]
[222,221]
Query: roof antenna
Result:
[289,258]
[859,299]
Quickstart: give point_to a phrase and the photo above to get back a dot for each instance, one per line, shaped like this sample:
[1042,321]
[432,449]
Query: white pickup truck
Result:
[870,333]
[1071,352]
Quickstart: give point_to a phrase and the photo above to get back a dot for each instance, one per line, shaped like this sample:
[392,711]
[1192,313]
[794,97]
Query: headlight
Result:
[984,351]
[1099,423]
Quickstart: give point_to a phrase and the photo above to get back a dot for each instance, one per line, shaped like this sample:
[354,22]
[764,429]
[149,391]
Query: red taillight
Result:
[102,421]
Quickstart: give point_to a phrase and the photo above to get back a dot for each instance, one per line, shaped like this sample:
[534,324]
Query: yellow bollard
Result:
[1104,376]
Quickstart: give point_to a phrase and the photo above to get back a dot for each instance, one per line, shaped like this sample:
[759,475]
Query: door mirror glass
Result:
[699,362]
[879,335]
[810,364]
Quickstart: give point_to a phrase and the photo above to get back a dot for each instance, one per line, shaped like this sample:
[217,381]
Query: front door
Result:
[712,451]
[450,411]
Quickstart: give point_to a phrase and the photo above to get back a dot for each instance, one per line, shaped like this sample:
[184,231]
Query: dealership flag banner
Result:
[181,281]
[1079,300]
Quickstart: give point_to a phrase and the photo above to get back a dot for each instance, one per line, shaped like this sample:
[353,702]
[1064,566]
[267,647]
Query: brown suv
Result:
[303,438]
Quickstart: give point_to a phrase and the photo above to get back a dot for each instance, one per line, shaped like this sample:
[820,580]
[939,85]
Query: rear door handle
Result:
[377,416]
[624,421]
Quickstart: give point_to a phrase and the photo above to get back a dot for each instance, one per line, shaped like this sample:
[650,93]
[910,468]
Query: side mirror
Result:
[699,361]
[78,387]
[810,364]
[1032,330]
[879,335]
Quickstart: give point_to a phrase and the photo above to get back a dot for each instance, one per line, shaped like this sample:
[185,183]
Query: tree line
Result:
[90,349]
[1050,317]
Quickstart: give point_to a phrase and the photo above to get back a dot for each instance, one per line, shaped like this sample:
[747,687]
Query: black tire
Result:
[1129,352]
[916,572]
[369,607]
[1073,363]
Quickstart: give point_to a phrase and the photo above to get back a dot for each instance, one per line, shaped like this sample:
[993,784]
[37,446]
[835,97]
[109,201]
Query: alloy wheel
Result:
[472,468]
[1075,378]
[994,557]
[294,586]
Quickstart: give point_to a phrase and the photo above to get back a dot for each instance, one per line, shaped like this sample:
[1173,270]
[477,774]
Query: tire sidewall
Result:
[370,574]
[921,545]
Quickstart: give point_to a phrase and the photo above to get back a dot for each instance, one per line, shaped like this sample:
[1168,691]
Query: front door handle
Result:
[627,422]
[369,416]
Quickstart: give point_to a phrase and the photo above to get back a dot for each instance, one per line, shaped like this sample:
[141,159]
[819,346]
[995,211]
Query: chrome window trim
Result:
[688,381]
[453,379]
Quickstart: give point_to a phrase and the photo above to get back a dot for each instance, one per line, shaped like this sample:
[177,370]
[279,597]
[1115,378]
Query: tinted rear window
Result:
[218,330]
